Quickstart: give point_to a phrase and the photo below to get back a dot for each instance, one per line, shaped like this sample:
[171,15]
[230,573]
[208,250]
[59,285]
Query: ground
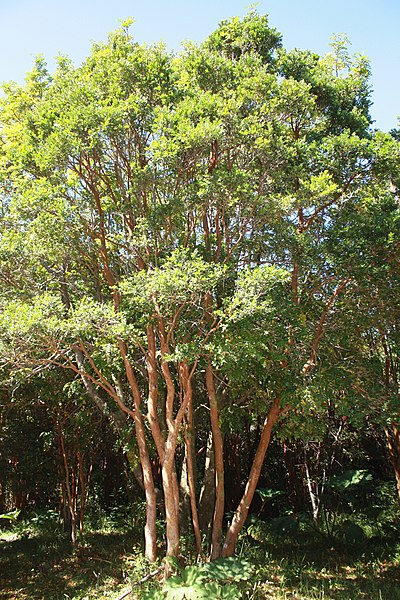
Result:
[35,566]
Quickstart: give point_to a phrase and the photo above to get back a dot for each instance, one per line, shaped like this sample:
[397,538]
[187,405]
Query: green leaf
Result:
[174,562]
[230,592]
[11,516]
[349,479]
[154,595]
[231,568]
[268,493]
[189,585]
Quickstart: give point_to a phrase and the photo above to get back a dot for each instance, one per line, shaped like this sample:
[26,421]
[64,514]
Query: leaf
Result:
[174,562]
[268,493]
[192,575]
[231,568]
[212,589]
[189,585]
[230,592]
[349,479]
[11,516]
[154,595]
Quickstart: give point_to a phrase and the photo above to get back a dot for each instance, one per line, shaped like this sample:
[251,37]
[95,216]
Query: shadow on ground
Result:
[50,569]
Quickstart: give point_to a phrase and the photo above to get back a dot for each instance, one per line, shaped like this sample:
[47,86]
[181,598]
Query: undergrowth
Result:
[36,562]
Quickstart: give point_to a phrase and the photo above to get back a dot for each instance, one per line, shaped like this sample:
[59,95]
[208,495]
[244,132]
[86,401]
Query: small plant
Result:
[8,522]
[229,569]
[11,516]
[190,584]
[215,580]
[267,495]
[45,523]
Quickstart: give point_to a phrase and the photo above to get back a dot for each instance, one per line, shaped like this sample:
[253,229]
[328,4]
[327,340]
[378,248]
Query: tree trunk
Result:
[150,534]
[207,493]
[244,505]
[184,496]
[393,442]
[216,537]
[70,488]
[169,478]
[172,517]
[189,450]
[314,497]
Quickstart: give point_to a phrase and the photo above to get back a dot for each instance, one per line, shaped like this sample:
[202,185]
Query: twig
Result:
[125,594]
[143,580]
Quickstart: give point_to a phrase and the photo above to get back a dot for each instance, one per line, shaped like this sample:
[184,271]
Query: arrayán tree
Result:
[177,223]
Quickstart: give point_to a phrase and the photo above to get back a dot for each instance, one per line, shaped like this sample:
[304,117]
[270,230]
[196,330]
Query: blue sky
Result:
[28,28]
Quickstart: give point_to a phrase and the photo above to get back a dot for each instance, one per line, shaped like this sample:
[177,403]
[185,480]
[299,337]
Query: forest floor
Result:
[37,566]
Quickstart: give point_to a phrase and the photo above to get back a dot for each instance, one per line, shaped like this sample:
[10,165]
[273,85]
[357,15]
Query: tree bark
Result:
[169,478]
[244,504]
[69,486]
[216,536]
[393,442]
[150,534]
[184,495]
[189,446]
[207,492]
[172,516]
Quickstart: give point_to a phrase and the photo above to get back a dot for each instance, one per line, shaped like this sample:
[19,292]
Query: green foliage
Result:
[349,479]
[268,493]
[189,584]
[46,523]
[154,595]
[285,526]
[21,319]
[11,516]
[183,278]
[351,532]
[236,37]
[229,569]
[208,580]
[256,290]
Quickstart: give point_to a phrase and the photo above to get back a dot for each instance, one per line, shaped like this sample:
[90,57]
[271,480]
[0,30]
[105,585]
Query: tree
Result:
[177,218]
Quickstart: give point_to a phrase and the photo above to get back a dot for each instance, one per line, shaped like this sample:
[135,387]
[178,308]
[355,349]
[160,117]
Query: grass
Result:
[310,567]
[42,565]
[46,568]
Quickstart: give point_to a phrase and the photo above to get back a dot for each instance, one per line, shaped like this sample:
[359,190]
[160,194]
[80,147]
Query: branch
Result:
[329,202]
[143,580]
[86,377]
[104,381]
[320,328]
[174,321]
[214,326]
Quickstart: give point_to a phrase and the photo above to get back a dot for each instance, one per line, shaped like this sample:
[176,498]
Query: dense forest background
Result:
[199,316]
